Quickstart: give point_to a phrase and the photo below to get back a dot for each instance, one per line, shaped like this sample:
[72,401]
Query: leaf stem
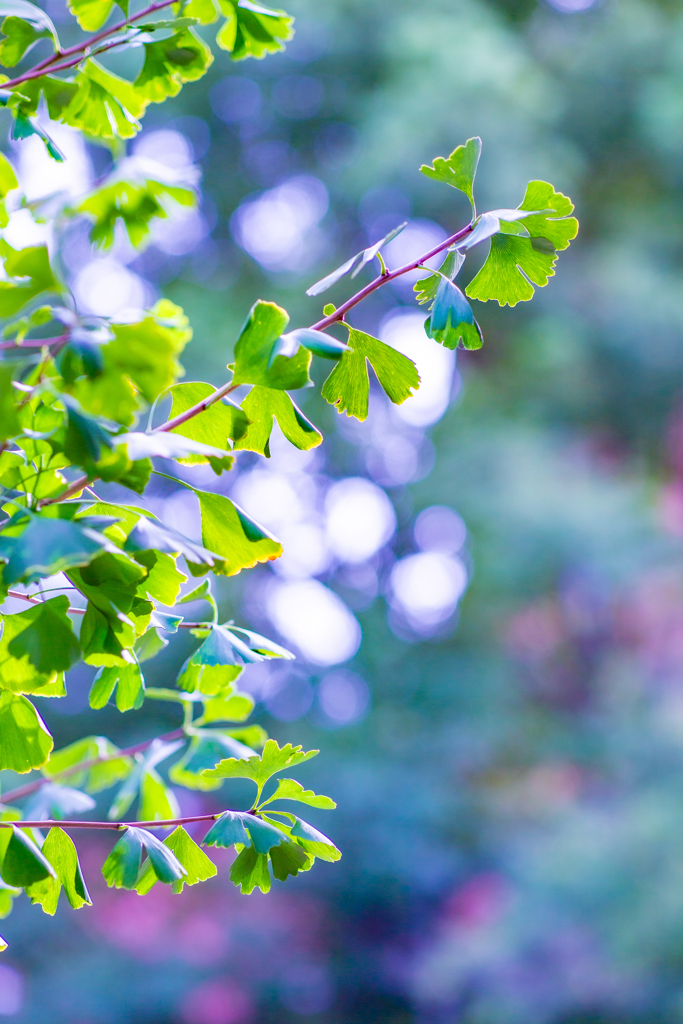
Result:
[385,278]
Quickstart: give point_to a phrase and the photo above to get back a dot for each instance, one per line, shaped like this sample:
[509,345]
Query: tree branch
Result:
[168,823]
[46,66]
[34,599]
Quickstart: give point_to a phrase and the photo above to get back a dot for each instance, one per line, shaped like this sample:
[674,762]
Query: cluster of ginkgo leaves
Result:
[104,582]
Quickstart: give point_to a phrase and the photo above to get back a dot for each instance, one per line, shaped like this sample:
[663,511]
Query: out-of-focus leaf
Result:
[57,802]
[459,169]
[136,204]
[157,801]
[96,777]
[233,708]
[166,445]
[262,406]
[92,14]
[251,30]
[8,181]
[9,423]
[169,63]
[110,583]
[26,742]
[29,274]
[348,386]
[255,362]
[207,747]
[105,106]
[128,681]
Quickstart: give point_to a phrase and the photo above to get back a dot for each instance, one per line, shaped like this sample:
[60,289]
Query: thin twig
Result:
[46,66]
[194,410]
[33,342]
[81,611]
[168,823]
[339,314]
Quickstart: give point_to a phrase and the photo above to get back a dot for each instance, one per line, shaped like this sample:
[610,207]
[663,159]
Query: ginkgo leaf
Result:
[459,169]
[23,862]
[355,264]
[451,320]
[60,852]
[123,863]
[516,263]
[220,423]
[92,14]
[21,35]
[314,842]
[95,777]
[147,351]
[29,274]
[46,546]
[259,769]
[206,748]
[229,532]
[249,871]
[251,30]
[105,106]
[262,406]
[157,801]
[426,288]
[36,645]
[288,859]
[54,801]
[290,789]
[137,204]
[254,359]
[198,867]
[128,682]
[169,63]
[148,535]
[348,386]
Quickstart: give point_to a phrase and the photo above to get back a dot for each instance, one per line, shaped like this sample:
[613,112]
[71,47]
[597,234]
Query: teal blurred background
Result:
[509,773]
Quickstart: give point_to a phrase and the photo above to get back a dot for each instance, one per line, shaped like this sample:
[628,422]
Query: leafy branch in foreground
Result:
[105,581]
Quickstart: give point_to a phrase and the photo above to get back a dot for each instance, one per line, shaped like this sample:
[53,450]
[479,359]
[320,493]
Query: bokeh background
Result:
[484,586]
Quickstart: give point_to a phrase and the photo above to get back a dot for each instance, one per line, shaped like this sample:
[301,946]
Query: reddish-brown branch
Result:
[168,823]
[36,599]
[48,65]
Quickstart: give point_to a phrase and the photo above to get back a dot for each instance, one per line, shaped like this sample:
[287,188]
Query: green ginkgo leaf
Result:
[26,741]
[255,362]
[198,867]
[229,532]
[251,30]
[169,63]
[348,386]
[459,169]
[265,405]
[515,263]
